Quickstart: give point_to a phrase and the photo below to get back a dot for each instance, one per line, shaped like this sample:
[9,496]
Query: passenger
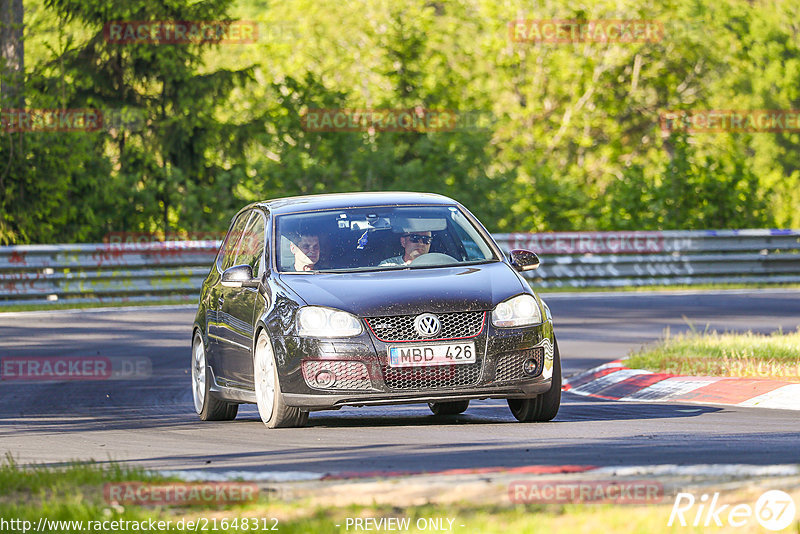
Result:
[305,247]
[415,244]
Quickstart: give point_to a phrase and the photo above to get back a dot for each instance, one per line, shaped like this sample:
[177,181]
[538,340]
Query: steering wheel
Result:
[433,258]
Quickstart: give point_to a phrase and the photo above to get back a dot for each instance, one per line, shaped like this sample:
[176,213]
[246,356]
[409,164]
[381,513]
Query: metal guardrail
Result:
[127,272]
[105,272]
[615,259]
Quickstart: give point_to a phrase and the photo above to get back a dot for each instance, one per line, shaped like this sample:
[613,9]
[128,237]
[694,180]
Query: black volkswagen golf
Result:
[359,299]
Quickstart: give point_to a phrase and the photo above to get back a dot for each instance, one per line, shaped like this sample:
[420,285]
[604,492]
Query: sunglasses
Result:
[416,238]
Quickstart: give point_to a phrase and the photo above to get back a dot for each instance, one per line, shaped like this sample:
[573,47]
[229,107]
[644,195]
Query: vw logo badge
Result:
[427,325]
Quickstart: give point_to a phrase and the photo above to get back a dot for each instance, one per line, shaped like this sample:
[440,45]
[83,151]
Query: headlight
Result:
[317,321]
[521,310]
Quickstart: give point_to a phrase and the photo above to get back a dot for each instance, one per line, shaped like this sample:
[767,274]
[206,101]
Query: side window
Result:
[252,245]
[228,248]
[473,246]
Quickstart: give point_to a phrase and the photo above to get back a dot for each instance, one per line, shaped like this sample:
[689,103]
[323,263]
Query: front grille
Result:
[349,374]
[457,325]
[509,365]
[432,377]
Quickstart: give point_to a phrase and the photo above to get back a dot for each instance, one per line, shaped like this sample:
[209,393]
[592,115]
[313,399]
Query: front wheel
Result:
[542,407]
[448,408]
[269,398]
[208,407]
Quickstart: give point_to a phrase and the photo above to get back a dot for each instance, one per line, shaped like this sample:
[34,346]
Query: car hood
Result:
[440,289]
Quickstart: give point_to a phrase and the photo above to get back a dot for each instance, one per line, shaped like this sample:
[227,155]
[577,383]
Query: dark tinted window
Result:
[229,246]
[251,246]
[380,237]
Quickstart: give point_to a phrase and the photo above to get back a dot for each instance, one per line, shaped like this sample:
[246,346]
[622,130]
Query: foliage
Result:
[574,143]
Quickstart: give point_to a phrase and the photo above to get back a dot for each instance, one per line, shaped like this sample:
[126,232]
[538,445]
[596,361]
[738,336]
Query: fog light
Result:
[325,378]
[530,366]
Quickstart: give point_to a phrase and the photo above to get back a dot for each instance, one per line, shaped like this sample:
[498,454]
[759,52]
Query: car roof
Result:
[351,200]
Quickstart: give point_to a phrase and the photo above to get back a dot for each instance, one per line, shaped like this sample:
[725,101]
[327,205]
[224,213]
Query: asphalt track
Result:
[152,423]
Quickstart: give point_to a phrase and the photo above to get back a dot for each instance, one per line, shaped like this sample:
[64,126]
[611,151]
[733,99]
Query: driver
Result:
[305,247]
[415,244]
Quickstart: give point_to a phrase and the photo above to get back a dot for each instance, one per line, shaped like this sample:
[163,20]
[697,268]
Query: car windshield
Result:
[377,238]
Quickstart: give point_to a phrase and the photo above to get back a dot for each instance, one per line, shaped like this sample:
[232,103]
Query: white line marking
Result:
[786,398]
[260,476]
[734,470]
[737,470]
[669,388]
[608,380]
[582,374]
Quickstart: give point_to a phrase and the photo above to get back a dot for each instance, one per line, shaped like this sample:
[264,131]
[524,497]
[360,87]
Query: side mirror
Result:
[523,260]
[239,276]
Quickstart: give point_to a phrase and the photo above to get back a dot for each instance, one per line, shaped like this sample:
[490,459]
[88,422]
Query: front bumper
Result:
[496,348]
[336,400]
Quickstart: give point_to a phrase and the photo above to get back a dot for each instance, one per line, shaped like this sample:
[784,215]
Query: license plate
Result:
[424,355]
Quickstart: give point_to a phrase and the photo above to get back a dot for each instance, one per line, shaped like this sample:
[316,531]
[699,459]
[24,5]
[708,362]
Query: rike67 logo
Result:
[774,510]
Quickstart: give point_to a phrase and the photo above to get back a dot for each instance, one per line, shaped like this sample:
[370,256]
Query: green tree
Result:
[576,141]
[180,169]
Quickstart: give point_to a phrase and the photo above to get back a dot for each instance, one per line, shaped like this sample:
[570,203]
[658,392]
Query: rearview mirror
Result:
[523,260]
[239,276]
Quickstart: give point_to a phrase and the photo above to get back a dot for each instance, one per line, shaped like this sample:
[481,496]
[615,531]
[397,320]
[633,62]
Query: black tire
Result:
[208,407]
[302,418]
[542,407]
[448,408]
[271,406]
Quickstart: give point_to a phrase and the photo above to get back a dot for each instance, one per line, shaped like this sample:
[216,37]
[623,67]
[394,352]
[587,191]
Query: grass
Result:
[36,479]
[710,353]
[74,493]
